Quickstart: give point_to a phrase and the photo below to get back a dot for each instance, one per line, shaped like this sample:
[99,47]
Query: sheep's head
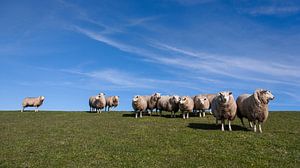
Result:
[42,97]
[101,94]
[263,96]
[98,97]
[175,99]
[116,99]
[183,100]
[202,100]
[224,96]
[155,97]
[136,98]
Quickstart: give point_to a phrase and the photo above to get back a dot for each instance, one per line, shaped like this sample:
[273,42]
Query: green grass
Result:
[66,139]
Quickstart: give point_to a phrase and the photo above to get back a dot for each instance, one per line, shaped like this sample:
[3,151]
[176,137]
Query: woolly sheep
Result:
[33,102]
[168,103]
[139,105]
[152,101]
[97,102]
[254,107]
[111,101]
[224,108]
[186,105]
[201,103]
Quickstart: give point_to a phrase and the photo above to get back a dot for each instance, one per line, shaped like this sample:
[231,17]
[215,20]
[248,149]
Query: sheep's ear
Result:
[256,95]
[219,93]
[230,93]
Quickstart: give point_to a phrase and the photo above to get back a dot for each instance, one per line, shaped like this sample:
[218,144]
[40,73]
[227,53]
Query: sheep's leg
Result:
[136,114]
[183,115]
[22,109]
[229,125]
[254,126]
[259,127]
[36,109]
[216,121]
[242,121]
[141,114]
[200,114]
[203,114]
[187,115]
[223,123]
[250,124]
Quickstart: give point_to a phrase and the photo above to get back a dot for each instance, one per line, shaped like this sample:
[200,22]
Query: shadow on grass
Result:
[128,115]
[207,126]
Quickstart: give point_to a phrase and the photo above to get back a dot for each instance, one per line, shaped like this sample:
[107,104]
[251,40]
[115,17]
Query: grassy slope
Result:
[56,139]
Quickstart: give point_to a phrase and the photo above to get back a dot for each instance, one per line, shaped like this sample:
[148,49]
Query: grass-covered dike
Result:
[117,139]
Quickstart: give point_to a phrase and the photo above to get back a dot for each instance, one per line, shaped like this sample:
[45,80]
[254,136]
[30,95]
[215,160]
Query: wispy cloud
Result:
[274,10]
[124,80]
[192,2]
[234,67]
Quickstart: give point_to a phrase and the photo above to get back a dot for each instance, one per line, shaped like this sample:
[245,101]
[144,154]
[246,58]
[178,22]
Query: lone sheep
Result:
[33,102]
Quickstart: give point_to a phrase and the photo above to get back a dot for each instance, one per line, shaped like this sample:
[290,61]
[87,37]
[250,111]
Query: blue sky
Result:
[70,50]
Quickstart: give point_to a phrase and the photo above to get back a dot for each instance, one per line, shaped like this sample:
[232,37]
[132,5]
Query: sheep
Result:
[224,107]
[254,107]
[186,105]
[111,101]
[97,102]
[139,105]
[168,103]
[33,102]
[152,101]
[201,103]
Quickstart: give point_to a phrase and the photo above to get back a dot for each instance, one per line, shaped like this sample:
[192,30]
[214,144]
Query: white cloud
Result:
[274,10]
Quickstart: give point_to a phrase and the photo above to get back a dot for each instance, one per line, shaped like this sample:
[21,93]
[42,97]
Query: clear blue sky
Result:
[70,50]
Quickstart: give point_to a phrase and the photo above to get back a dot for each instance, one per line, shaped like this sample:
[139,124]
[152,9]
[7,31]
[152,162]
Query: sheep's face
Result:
[183,100]
[175,99]
[266,96]
[98,97]
[136,98]
[42,97]
[224,96]
[116,99]
[203,100]
[101,94]
[155,96]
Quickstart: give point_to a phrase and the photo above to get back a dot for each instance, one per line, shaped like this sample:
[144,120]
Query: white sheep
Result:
[111,101]
[186,105]
[97,103]
[139,105]
[33,102]
[254,107]
[169,104]
[201,104]
[224,108]
[152,101]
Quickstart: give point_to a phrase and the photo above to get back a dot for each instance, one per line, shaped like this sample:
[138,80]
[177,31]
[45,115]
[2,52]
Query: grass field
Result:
[114,139]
